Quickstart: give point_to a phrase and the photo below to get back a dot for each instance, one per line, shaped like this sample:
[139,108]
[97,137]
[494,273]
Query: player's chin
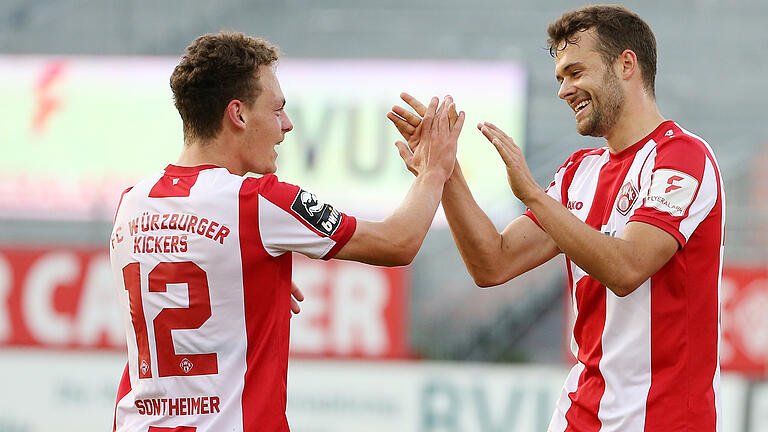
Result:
[272,168]
[264,168]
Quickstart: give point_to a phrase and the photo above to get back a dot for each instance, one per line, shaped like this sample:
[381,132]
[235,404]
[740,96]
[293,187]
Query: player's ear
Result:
[235,114]
[627,64]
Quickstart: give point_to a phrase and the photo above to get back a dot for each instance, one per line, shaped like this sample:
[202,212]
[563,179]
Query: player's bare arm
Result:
[396,240]
[491,258]
[621,264]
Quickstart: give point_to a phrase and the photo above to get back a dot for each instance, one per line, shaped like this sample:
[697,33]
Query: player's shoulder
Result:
[673,140]
[264,183]
[142,186]
[269,187]
[577,157]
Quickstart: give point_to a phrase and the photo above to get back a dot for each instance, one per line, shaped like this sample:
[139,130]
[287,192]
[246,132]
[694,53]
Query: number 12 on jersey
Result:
[193,317]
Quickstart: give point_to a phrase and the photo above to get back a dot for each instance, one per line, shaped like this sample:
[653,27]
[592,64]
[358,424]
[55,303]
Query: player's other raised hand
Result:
[518,175]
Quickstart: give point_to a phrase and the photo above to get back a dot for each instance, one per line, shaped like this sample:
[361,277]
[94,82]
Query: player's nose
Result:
[566,90]
[287,124]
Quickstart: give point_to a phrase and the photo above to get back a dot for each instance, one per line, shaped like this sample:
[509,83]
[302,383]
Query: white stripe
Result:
[554,189]
[584,184]
[626,361]
[558,422]
[705,200]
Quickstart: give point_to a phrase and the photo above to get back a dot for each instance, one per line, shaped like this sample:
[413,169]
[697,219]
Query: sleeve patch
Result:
[671,191]
[321,216]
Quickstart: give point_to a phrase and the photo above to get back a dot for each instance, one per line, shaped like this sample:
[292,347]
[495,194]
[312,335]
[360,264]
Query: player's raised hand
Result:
[408,122]
[518,175]
[437,141]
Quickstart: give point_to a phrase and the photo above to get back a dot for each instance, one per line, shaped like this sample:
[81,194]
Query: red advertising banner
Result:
[744,345]
[63,298]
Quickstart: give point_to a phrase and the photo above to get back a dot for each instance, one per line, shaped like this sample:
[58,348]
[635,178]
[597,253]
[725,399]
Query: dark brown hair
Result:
[215,69]
[618,29]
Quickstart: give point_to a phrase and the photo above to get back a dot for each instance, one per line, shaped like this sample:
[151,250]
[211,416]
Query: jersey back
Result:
[201,260]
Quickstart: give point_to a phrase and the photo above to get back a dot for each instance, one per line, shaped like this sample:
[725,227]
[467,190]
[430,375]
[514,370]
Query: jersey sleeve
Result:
[291,219]
[681,190]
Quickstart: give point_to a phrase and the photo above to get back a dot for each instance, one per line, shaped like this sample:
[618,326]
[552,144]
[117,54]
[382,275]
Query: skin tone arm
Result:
[622,264]
[491,257]
[396,240]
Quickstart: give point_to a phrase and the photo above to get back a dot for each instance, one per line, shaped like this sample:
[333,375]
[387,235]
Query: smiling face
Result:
[266,124]
[589,86]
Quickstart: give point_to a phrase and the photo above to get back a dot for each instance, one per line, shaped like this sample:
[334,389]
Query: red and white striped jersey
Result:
[201,260]
[648,361]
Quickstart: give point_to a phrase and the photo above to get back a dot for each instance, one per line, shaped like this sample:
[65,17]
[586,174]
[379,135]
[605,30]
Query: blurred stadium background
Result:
[85,110]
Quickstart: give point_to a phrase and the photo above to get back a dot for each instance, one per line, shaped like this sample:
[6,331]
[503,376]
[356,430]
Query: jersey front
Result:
[647,361]
[201,260]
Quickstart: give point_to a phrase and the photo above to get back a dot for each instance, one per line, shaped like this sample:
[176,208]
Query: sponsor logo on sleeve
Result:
[671,191]
[321,216]
[626,199]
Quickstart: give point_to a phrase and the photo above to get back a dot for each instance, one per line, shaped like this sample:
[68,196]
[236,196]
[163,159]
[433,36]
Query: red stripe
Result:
[173,186]
[684,324]
[123,389]
[172,429]
[588,331]
[267,287]
[568,311]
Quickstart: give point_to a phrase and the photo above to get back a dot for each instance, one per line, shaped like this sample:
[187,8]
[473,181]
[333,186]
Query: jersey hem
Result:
[343,240]
[681,240]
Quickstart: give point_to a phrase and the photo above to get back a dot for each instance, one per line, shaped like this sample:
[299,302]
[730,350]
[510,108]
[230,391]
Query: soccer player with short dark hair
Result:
[641,222]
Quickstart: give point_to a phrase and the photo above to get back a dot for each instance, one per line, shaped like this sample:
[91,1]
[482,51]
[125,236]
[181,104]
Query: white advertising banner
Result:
[758,408]
[44,390]
[421,396]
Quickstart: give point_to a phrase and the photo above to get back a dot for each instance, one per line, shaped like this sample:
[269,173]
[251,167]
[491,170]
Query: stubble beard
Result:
[606,109]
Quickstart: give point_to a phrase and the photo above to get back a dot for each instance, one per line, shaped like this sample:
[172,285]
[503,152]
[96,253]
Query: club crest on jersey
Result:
[186,365]
[321,216]
[626,199]
[144,368]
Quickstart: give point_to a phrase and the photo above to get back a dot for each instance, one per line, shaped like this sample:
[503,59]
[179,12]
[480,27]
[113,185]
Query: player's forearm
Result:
[605,258]
[403,232]
[476,237]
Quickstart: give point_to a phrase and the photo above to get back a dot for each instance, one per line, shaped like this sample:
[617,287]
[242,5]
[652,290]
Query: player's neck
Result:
[636,122]
[209,152]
